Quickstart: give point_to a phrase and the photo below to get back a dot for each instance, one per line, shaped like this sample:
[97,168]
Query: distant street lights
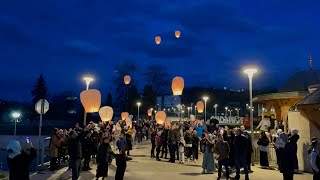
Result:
[215,109]
[226,111]
[238,113]
[88,80]
[230,112]
[138,104]
[205,98]
[16,116]
[250,72]
[188,111]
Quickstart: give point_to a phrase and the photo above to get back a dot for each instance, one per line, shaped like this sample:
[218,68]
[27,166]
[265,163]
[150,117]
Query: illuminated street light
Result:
[88,80]
[226,110]
[250,72]
[188,111]
[16,116]
[215,109]
[138,104]
[205,98]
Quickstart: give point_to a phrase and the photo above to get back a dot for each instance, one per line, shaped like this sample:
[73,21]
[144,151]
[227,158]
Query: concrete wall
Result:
[306,132]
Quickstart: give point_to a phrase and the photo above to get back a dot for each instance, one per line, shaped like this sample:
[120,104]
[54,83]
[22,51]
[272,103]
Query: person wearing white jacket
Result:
[264,124]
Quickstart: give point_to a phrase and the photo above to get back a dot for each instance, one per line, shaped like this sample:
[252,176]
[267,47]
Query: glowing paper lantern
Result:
[200,106]
[177,34]
[192,117]
[160,117]
[177,85]
[124,115]
[157,39]
[149,112]
[106,113]
[129,122]
[167,123]
[91,100]
[127,79]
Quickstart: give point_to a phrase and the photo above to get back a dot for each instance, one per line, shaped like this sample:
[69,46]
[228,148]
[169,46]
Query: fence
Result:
[271,154]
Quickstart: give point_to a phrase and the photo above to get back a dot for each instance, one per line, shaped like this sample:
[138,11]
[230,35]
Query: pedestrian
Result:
[279,145]
[195,146]
[188,146]
[240,152]
[182,144]
[164,138]
[103,157]
[121,163]
[172,144]
[294,138]
[315,159]
[222,150]
[153,135]
[208,164]
[249,150]
[289,155]
[19,160]
[53,146]
[263,143]
[75,154]
[158,143]
[129,140]
[121,143]
[87,149]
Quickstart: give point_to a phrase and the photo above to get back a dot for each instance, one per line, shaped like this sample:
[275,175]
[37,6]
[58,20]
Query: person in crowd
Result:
[54,145]
[164,138]
[19,160]
[315,159]
[104,155]
[208,164]
[288,161]
[158,143]
[121,163]
[264,124]
[182,144]
[294,138]
[246,122]
[134,135]
[95,140]
[75,154]
[121,143]
[129,140]
[78,129]
[222,149]
[279,145]
[195,146]
[153,141]
[87,149]
[177,131]
[240,152]
[249,150]
[263,143]
[188,140]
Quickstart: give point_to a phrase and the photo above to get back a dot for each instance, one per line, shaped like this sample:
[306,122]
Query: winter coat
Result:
[75,149]
[87,146]
[188,137]
[288,158]
[158,141]
[104,153]
[240,147]
[54,145]
[195,140]
[19,165]
[222,149]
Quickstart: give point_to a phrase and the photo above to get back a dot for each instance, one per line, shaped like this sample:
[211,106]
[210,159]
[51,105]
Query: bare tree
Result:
[158,77]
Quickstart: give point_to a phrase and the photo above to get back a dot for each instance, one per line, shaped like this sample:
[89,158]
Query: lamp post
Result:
[88,80]
[16,116]
[188,111]
[238,113]
[138,104]
[205,98]
[226,111]
[230,112]
[215,110]
[195,111]
[250,73]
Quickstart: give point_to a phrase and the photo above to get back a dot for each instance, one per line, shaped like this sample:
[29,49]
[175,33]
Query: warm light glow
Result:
[177,34]
[138,104]
[226,108]
[205,98]
[177,85]
[91,100]
[106,113]
[16,115]
[124,115]
[88,80]
[216,105]
[200,107]
[150,112]
[127,79]
[250,71]
[157,39]
[160,117]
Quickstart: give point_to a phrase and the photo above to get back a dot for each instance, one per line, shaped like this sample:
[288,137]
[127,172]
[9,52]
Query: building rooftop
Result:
[313,98]
[300,81]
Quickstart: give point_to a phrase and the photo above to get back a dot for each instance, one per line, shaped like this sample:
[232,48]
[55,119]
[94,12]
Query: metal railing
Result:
[272,157]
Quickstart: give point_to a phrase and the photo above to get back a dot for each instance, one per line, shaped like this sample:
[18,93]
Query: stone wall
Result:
[306,132]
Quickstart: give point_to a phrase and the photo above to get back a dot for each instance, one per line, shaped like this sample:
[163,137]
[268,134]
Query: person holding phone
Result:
[19,159]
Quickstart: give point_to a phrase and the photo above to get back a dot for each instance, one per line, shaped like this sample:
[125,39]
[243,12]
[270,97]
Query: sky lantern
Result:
[127,79]
[177,85]
[91,100]
[124,115]
[106,113]
[160,117]
[149,112]
[157,39]
[177,34]
[200,106]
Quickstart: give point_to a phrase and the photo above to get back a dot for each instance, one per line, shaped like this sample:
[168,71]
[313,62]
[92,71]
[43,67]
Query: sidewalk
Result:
[142,167]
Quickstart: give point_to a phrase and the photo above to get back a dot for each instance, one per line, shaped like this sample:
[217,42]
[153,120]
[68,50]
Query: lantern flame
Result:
[158,40]
[177,85]
[177,34]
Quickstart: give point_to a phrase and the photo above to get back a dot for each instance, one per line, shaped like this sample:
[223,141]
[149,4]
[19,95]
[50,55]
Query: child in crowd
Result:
[182,144]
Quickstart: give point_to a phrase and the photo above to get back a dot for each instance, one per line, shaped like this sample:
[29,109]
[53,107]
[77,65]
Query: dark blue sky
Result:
[67,38]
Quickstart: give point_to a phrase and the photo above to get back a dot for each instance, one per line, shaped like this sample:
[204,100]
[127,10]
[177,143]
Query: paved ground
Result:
[142,167]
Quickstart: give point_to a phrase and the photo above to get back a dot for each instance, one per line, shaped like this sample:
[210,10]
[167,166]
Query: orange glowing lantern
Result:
[91,100]
[124,115]
[200,106]
[149,112]
[127,79]
[160,117]
[177,34]
[177,85]
[106,113]
[157,39]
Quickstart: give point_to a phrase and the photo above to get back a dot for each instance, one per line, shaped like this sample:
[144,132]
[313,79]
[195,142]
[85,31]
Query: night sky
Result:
[65,39]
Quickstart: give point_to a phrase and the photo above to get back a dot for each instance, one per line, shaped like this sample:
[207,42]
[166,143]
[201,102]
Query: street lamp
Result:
[230,112]
[215,110]
[250,73]
[205,98]
[238,113]
[226,110]
[138,104]
[195,111]
[188,111]
[88,80]
[16,116]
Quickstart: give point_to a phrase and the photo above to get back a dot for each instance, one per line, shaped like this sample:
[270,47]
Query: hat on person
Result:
[14,149]
[314,141]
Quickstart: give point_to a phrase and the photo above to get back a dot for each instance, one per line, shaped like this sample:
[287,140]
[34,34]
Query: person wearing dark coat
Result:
[75,154]
[164,138]
[153,142]
[263,143]
[87,151]
[121,163]
[240,152]
[249,150]
[288,161]
[18,160]
[103,157]
[195,146]
[172,144]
